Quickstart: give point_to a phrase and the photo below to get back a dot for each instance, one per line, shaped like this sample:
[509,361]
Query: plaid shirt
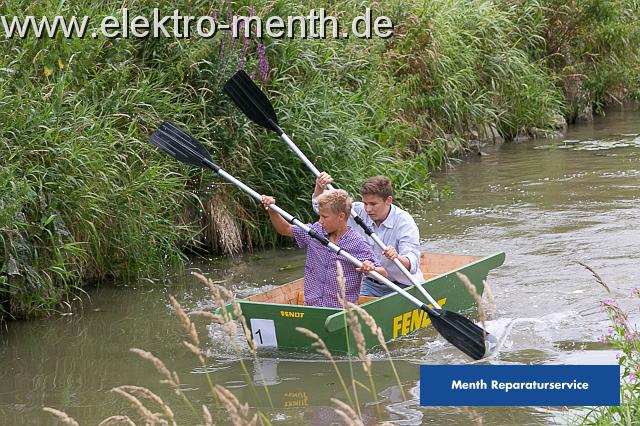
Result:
[320,271]
[398,230]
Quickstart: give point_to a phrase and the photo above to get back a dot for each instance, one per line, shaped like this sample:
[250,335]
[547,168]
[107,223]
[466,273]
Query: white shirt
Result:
[398,230]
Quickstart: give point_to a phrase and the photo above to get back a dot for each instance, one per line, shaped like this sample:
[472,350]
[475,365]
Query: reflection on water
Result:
[546,203]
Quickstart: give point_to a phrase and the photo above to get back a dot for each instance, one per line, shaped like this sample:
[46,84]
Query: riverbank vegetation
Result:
[84,198]
[624,337]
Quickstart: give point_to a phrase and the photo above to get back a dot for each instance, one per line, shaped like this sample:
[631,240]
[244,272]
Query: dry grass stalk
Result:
[117,420]
[352,320]
[356,329]
[473,414]
[222,230]
[62,416]
[474,293]
[371,323]
[222,292]
[617,314]
[187,325]
[237,310]
[231,329]
[221,296]
[238,413]
[170,377]
[144,412]
[377,331]
[346,420]
[347,413]
[207,315]
[195,350]
[248,336]
[318,343]
[322,349]
[341,283]
[490,303]
[596,276]
[619,317]
[142,392]
[206,415]
[189,328]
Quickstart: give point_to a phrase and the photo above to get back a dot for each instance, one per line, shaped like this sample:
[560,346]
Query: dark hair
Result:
[377,185]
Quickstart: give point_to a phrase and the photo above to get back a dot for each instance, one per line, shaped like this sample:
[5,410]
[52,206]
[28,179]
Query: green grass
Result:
[596,43]
[463,71]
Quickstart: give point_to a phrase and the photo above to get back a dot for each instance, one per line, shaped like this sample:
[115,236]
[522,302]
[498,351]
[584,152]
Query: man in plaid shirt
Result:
[395,227]
[320,270]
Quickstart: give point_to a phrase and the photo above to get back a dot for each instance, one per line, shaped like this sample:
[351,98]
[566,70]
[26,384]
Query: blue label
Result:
[519,385]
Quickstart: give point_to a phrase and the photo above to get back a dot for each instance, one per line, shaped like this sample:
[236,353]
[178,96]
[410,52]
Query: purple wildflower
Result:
[246,42]
[245,46]
[606,303]
[603,339]
[230,22]
[610,330]
[263,61]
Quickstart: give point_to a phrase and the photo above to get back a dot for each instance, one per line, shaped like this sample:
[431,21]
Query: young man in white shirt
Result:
[395,227]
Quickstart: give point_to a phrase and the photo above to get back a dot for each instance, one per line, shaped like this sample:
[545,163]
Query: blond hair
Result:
[337,200]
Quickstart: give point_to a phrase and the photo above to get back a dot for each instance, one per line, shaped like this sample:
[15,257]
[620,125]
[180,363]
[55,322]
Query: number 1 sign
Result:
[264,333]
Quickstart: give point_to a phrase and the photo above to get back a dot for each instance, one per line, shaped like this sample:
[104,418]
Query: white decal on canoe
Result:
[264,333]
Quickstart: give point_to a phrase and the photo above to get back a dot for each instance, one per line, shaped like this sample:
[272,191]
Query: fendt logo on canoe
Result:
[289,314]
[412,320]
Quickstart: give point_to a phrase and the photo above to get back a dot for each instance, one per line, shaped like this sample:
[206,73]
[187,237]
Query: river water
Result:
[546,203]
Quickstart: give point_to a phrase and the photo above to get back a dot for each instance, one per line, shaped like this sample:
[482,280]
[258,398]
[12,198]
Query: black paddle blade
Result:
[180,145]
[252,101]
[461,332]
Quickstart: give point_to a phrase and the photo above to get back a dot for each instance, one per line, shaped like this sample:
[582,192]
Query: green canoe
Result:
[274,315]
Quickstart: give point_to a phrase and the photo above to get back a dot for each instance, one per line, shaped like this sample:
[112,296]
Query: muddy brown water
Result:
[546,203]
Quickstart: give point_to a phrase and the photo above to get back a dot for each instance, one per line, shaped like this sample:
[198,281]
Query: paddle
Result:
[255,104]
[457,329]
